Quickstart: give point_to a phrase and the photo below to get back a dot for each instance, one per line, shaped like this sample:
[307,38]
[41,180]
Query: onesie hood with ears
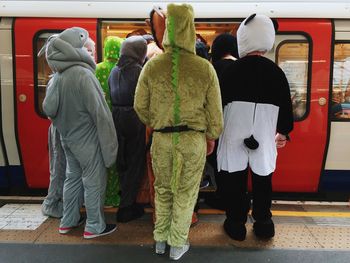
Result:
[66,50]
[256,33]
[63,51]
[180,31]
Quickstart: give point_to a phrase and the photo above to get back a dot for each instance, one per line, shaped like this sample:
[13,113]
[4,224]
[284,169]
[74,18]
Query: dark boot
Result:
[264,230]
[129,213]
[235,230]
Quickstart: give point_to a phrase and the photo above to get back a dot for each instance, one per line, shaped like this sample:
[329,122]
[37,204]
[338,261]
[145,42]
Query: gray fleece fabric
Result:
[75,103]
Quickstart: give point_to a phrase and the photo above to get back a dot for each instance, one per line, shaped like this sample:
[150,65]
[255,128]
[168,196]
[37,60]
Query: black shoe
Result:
[110,228]
[264,230]
[130,213]
[235,230]
[204,184]
[215,201]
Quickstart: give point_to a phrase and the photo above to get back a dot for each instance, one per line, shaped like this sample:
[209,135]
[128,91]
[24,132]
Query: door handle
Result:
[322,101]
[22,97]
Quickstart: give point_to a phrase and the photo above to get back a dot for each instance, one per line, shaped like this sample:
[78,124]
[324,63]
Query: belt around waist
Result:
[171,129]
[122,107]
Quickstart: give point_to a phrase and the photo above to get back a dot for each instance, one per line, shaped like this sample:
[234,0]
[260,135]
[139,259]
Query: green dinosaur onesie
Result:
[180,89]
[111,55]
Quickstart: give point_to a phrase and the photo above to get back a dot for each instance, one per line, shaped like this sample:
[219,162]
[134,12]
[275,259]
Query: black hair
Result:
[224,44]
[202,49]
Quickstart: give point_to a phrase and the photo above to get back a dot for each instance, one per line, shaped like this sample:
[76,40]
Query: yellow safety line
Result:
[285,213]
[311,214]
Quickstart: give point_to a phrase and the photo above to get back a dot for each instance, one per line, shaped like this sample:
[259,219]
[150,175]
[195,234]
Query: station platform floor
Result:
[305,232]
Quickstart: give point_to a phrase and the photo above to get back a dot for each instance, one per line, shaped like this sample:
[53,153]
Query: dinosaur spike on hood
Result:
[180,30]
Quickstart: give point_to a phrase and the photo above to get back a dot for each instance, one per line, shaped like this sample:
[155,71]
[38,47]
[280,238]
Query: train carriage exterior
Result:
[312,47]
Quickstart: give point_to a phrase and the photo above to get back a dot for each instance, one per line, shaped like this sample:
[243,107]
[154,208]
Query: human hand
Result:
[280,140]
[210,146]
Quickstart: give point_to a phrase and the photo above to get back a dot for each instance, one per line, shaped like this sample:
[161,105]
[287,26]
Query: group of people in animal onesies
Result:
[187,104]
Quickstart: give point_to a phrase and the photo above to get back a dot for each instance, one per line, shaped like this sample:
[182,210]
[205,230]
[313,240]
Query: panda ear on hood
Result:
[255,33]
[249,19]
[275,24]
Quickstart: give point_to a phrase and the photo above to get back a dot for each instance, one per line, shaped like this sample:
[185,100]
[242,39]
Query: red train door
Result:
[32,126]
[299,164]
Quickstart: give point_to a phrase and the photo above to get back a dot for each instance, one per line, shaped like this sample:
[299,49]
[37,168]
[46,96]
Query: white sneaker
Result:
[177,252]
[160,247]
[64,230]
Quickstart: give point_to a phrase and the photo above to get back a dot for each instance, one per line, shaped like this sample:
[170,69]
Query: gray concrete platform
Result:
[53,253]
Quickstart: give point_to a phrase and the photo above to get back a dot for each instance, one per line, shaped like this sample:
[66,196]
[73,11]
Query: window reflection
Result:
[43,72]
[340,109]
[293,58]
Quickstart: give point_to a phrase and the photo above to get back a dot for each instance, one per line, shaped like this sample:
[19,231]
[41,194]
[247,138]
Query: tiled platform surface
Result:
[309,227]
[21,217]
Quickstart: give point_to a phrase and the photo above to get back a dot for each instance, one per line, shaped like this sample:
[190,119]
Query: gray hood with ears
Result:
[75,102]
[66,50]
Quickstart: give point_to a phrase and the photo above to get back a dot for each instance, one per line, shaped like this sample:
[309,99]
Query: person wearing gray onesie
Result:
[53,202]
[75,103]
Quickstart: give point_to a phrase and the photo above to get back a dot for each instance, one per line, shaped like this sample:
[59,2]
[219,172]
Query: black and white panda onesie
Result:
[257,105]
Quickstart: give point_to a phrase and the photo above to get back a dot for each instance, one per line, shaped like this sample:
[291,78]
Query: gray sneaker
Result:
[177,252]
[160,247]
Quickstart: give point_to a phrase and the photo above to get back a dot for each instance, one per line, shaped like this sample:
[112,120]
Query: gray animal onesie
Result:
[75,103]
[53,203]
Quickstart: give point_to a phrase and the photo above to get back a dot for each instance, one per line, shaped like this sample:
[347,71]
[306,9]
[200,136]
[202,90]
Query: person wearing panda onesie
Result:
[257,120]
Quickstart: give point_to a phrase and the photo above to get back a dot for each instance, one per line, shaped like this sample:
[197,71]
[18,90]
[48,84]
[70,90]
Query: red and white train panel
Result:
[312,47]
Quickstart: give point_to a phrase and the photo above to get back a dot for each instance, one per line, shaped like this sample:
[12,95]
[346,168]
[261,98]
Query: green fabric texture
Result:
[111,52]
[178,88]
[183,33]
[174,83]
[174,211]
[112,47]
[113,188]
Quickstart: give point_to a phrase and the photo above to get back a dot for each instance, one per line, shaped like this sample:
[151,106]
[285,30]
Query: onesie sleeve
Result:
[213,107]
[97,107]
[142,96]
[285,121]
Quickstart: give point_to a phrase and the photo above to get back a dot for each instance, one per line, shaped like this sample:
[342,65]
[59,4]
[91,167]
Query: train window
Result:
[340,107]
[293,58]
[42,71]
[206,31]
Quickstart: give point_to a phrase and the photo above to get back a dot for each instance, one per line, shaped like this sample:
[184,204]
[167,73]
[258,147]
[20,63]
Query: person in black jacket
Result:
[258,117]
[131,158]
[224,53]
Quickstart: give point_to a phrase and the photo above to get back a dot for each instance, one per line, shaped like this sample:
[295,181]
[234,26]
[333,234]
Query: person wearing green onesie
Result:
[178,95]
[112,46]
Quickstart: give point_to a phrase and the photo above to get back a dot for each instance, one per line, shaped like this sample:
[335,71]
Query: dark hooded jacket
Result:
[123,78]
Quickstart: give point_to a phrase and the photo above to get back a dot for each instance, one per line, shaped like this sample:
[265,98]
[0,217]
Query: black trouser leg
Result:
[235,194]
[262,195]
[131,154]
